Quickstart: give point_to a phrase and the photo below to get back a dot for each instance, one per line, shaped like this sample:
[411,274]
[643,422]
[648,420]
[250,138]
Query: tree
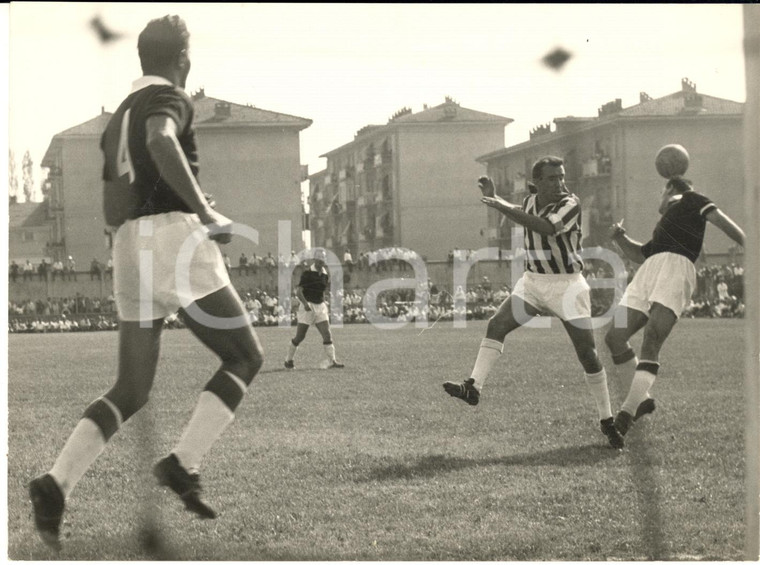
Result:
[12,178]
[26,167]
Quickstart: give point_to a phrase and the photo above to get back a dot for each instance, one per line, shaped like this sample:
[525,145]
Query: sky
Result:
[348,65]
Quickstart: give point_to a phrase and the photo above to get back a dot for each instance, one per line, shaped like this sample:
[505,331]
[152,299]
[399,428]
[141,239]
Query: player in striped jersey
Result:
[553,284]
[661,288]
[154,202]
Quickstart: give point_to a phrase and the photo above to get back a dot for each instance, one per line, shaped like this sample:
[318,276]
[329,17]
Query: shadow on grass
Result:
[432,465]
[647,489]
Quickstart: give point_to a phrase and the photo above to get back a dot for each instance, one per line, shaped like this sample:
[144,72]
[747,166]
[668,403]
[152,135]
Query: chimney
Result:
[644,97]
[611,107]
[687,85]
[402,112]
[543,129]
[102,110]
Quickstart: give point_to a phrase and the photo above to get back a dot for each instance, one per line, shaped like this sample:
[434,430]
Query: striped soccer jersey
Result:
[558,253]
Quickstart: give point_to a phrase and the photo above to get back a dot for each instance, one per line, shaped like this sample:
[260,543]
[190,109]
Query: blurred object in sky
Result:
[556,58]
[105,34]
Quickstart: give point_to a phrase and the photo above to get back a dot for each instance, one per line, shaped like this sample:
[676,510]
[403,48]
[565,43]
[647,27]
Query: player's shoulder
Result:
[695,195]
[570,199]
[170,92]
[697,200]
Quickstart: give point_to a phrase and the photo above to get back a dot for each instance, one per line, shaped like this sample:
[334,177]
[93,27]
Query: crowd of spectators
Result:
[719,294]
[58,270]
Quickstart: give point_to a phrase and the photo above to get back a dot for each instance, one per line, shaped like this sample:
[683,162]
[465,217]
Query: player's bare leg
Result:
[512,314]
[324,330]
[241,355]
[301,330]
[582,337]
[138,357]
[656,331]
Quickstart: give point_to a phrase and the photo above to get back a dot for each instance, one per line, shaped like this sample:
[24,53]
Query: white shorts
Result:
[319,313]
[568,297]
[169,246]
[666,278]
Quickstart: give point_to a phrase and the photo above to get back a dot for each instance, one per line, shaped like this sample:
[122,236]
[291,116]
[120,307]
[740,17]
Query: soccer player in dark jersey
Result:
[661,288]
[553,284]
[154,205]
[313,311]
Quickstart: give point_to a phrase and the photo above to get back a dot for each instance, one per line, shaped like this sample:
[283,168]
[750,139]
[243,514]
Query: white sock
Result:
[291,352]
[597,385]
[625,373]
[209,420]
[489,352]
[330,350]
[84,445]
[642,382]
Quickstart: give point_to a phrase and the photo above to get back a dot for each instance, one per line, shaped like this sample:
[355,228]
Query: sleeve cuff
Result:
[707,208]
[556,221]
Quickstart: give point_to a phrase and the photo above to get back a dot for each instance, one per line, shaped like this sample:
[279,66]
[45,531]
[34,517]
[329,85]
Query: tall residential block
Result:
[410,183]
[609,163]
[249,160]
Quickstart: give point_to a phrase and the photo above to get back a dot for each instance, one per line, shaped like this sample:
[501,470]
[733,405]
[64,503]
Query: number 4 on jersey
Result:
[123,158]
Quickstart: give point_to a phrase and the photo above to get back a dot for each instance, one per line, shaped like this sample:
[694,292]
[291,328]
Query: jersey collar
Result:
[149,80]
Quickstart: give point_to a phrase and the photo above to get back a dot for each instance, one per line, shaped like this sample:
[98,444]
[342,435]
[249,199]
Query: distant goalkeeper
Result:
[313,311]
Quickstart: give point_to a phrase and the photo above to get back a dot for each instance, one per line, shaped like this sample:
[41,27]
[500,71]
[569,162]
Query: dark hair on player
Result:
[161,42]
[680,184]
[538,166]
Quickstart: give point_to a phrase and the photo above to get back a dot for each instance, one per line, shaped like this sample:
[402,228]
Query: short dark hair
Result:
[680,184]
[161,42]
[550,160]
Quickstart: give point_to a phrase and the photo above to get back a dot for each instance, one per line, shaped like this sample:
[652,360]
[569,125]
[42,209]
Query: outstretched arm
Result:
[630,247]
[726,225]
[516,214]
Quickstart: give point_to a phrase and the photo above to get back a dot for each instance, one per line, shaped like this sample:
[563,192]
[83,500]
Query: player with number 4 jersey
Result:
[133,185]
[155,208]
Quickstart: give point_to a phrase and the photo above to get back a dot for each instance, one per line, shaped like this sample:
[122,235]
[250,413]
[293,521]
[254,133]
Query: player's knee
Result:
[613,340]
[243,357]
[653,337]
[128,403]
[495,323]
[251,364]
[589,358]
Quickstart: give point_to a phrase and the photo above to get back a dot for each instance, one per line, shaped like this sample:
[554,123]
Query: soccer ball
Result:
[671,161]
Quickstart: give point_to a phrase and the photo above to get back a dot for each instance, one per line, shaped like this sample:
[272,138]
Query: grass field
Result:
[376,462]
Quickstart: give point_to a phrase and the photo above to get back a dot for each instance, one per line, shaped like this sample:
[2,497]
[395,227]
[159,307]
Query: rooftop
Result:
[208,112]
[27,215]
